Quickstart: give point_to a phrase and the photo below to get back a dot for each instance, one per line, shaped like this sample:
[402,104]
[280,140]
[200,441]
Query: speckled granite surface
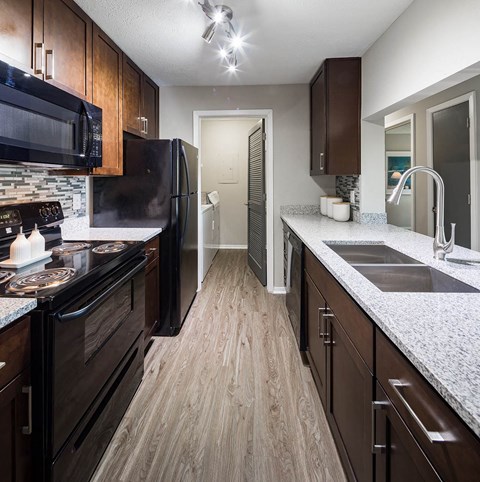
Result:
[13,308]
[299,209]
[110,234]
[438,332]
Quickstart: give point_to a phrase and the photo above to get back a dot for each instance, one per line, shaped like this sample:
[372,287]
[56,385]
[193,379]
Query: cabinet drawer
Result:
[152,248]
[358,326]
[14,350]
[456,455]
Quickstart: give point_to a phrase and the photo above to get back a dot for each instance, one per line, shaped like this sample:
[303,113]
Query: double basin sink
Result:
[392,271]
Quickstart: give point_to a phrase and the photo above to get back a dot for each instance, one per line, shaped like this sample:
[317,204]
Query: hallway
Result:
[226,400]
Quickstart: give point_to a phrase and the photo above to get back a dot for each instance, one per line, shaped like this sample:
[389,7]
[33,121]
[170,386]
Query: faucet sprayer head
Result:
[396,195]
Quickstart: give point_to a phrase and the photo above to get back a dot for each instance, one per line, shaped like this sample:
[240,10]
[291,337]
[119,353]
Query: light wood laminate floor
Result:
[228,399]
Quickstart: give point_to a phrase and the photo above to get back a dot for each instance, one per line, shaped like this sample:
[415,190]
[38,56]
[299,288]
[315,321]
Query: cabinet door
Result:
[15,446]
[349,398]
[132,98]
[315,324]
[68,47]
[107,94]
[150,108]
[398,456]
[21,34]
[318,136]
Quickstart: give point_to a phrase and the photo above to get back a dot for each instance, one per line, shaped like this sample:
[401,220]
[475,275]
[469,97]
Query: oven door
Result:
[90,338]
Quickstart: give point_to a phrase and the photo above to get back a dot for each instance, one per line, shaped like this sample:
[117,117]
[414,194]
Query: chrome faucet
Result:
[440,245]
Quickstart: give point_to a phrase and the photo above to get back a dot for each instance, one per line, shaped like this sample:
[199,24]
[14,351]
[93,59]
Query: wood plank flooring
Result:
[228,399]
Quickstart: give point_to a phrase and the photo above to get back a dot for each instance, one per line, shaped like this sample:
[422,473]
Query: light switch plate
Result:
[77,201]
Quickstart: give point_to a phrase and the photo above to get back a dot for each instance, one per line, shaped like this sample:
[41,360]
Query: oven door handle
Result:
[86,310]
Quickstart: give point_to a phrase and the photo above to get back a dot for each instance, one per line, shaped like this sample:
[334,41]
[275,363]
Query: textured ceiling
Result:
[286,40]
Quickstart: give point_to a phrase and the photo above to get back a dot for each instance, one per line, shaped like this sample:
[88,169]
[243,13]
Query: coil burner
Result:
[34,282]
[69,248]
[109,248]
[6,275]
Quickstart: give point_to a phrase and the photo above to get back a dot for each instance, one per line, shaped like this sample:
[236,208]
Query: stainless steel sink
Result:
[371,254]
[413,279]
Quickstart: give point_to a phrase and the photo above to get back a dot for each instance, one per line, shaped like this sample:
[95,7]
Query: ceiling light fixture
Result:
[221,16]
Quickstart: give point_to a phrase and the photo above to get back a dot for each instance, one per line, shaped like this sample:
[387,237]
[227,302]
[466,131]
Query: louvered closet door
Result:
[257,226]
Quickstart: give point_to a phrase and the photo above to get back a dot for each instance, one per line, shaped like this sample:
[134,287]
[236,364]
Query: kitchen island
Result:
[439,333]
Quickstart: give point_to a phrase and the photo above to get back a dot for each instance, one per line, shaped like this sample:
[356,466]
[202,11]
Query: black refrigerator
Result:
[159,189]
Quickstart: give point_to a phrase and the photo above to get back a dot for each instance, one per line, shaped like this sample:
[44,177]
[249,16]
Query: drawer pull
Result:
[322,332]
[433,437]
[28,429]
[376,448]
[2,364]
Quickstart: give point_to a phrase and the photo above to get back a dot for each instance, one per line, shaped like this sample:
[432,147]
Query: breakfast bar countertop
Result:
[438,332]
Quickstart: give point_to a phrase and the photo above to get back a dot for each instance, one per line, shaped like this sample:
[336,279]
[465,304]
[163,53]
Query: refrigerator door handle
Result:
[185,161]
[185,224]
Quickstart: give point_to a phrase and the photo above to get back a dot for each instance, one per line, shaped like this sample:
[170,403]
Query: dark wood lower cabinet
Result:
[152,288]
[15,446]
[349,396]
[398,457]
[315,325]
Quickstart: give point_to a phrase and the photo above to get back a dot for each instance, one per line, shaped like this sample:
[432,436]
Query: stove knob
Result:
[47,209]
[43,212]
[55,210]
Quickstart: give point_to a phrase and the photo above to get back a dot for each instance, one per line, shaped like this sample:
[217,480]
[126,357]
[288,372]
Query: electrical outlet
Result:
[77,201]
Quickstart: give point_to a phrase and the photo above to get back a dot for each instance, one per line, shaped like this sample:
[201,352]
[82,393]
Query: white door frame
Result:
[266,114]
[397,122]
[470,97]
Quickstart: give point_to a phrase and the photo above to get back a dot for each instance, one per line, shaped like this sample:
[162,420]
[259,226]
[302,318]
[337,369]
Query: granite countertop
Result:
[438,332]
[110,234]
[13,308]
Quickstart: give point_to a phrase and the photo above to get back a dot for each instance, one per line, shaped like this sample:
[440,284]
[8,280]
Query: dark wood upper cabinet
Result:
[68,47]
[21,34]
[140,102]
[335,96]
[107,94]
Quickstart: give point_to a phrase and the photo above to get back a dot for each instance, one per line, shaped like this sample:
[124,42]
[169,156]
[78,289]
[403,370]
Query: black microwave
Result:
[43,125]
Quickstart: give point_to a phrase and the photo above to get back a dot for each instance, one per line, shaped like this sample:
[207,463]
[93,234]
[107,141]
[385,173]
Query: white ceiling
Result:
[286,40]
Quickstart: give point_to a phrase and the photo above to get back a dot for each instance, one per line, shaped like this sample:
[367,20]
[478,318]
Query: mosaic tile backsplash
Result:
[344,184]
[22,184]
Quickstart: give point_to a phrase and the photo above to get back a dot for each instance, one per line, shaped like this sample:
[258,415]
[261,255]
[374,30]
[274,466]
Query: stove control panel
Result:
[44,213]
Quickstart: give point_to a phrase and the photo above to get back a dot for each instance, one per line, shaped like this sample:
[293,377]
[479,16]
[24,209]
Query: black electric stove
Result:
[73,265]
[87,338]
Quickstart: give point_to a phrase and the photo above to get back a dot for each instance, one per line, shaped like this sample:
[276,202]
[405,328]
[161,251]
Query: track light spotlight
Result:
[209,32]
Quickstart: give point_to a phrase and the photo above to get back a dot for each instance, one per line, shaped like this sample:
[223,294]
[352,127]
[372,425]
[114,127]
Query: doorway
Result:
[227,175]
[451,149]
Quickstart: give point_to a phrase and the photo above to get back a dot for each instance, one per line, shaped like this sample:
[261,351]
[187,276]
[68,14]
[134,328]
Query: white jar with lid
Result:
[330,202]
[341,211]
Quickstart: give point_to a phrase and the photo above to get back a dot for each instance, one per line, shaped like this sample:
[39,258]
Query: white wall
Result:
[291,139]
[225,153]
[432,46]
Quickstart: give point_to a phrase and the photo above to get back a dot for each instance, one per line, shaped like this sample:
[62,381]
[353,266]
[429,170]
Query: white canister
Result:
[20,249]
[341,211]
[330,202]
[37,243]
[323,205]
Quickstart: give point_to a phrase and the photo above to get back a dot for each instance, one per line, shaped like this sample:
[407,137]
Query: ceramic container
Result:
[20,249]
[37,243]
[341,211]
[323,205]
[330,202]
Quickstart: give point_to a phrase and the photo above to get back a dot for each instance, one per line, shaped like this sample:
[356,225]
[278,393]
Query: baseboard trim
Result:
[279,290]
[232,246]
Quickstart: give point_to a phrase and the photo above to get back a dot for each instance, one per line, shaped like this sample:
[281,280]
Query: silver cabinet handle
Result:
[376,448]
[39,67]
[328,340]
[322,331]
[146,125]
[2,364]
[433,437]
[28,429]
[322,162]
[49,66]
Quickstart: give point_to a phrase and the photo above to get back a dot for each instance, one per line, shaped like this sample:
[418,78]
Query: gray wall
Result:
[420,111]
[291,139]
[224,155]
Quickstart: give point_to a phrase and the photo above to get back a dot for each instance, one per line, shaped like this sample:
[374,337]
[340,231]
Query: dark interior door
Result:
[451,159]
[257,219]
